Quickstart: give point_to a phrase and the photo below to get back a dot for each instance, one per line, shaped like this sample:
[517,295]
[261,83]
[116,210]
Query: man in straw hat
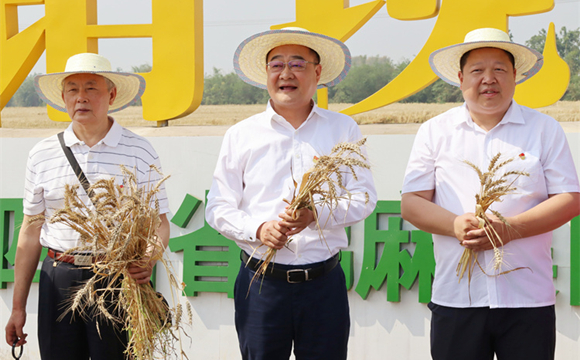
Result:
[301,300]
[509,313]
[88,91]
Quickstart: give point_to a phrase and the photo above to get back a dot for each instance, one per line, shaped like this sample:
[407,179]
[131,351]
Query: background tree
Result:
[26,95]
[219,89]
[568,46]
[367,75]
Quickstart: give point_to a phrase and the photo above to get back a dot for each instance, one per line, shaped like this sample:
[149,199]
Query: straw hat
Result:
[445,61]
[129,85]
[250,57]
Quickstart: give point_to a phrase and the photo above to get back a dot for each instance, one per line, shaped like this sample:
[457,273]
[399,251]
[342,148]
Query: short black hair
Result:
[464,57]
[316,56]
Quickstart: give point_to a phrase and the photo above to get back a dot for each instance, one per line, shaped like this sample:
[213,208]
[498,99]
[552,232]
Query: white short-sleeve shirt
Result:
[259,161]
[539,147]
[48,170]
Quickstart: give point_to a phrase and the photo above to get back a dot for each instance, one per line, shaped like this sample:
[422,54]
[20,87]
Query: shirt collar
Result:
[513,115]
[271,114]
[111,139]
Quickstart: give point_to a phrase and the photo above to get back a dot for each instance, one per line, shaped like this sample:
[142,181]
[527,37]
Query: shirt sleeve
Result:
[33,201]
[223,200]
[357,202]
[151,176]
[420,172]
[557,162]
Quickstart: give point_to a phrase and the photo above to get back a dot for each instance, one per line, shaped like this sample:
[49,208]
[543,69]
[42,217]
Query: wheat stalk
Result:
[120,229]
[325,179]
[492,188]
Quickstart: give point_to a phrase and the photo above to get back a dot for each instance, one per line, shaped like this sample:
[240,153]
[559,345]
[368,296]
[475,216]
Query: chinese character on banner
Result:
[175,83]
[10,219]
[575,261]
[455,18]
[395,266]
[211,262]
[334,18]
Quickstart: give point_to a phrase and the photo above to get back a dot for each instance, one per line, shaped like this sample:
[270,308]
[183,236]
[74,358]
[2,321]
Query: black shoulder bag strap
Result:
[75,165]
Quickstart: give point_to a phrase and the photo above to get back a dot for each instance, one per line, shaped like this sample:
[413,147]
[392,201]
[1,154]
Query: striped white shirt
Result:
[48,170]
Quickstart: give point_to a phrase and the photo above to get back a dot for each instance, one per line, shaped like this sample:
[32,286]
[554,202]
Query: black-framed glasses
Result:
[277,66]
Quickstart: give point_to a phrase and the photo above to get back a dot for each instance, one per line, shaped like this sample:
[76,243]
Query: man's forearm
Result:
[546,216]
[418,209]
[26,262]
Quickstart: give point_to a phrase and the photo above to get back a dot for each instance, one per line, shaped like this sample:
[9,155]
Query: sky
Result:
[228,22]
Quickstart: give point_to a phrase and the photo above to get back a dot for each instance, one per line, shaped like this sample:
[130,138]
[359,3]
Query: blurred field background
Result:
[227,115]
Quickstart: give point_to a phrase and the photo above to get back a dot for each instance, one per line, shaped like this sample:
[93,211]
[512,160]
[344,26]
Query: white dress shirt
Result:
[539,146]
[258,161]
[48,170]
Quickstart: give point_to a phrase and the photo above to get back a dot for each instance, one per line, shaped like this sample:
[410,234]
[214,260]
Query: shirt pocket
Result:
[533,183]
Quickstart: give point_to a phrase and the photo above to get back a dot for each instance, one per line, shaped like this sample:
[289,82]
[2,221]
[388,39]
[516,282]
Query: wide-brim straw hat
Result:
[129,86]
[445,61]
[250,57]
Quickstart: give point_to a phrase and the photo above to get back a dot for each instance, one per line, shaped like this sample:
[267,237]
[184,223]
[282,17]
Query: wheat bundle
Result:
[322,185]
[120,229]
[493,187]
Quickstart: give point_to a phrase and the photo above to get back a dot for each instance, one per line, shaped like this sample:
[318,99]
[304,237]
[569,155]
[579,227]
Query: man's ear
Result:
[318,71]
[113,95]
[460,76]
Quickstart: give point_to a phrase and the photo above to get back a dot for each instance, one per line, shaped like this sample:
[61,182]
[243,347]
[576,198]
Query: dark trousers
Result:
[72,338]
[478,333]
[274,314]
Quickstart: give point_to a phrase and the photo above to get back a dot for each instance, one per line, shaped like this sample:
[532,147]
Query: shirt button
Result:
[297,156]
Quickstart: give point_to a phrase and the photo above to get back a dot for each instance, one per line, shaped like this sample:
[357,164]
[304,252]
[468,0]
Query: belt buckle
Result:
[83,260]
[289,272]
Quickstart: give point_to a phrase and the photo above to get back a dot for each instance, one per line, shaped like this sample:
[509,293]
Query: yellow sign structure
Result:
[175,83]
[455,18]
[332,18]
[554,75]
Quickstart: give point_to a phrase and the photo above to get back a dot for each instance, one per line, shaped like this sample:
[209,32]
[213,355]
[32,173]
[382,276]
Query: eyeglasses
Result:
[277,66]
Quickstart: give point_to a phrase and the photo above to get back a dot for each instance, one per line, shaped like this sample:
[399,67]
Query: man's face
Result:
[292,88]
[488,82]
[87,98]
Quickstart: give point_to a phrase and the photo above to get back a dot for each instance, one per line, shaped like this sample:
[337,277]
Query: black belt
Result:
[296,275]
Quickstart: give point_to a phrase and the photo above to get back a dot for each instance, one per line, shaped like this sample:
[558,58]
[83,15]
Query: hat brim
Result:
[129,87]
[445,61]
[250,56]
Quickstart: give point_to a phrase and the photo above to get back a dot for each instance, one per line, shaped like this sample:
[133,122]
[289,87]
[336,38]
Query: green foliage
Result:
[26,95]
[144,68]
[568,46]
[367,75]
[222,89]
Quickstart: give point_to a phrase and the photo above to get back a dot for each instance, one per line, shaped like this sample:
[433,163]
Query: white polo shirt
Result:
[48,170]
[539,146]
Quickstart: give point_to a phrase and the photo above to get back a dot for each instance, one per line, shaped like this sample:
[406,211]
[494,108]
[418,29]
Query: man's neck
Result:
[294,115]
[92,133]
[487,121]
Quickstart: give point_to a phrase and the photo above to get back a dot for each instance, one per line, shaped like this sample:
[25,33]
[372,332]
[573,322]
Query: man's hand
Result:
[296,221]
[14,328]
[478,240]
[141,271]
[463,225]
[272,234]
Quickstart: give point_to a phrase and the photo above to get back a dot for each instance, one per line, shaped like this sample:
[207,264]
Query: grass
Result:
[227,115]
